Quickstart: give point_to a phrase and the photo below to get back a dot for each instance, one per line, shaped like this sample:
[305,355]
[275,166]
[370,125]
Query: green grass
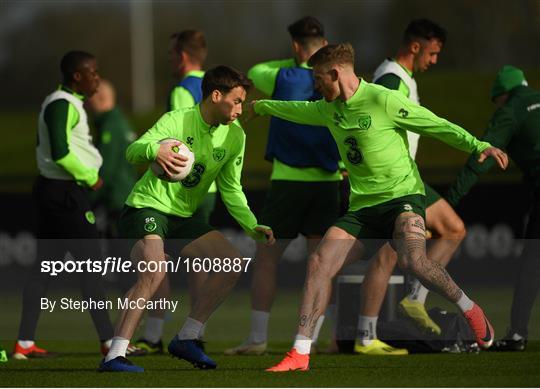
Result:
[71,335]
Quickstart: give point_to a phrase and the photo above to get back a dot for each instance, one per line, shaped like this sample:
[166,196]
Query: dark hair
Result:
[424,29]
[223,79]
[306,30]
[342,53]
[71,62]
[191,42]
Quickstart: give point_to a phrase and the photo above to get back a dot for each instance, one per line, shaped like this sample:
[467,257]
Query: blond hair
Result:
[342,53]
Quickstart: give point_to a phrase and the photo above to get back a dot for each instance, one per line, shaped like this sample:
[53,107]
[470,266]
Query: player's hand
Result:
[268,233]
[251,114]
[497,154]
[169,160]
[97,185]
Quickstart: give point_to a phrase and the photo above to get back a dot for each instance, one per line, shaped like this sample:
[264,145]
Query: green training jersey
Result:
[264,77]
[219,155]
[180,98]
[370,132]
[514,128]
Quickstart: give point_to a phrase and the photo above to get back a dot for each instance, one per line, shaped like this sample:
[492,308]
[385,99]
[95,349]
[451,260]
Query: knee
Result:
[385,260]
[318,268]
[409,264]
[452,229]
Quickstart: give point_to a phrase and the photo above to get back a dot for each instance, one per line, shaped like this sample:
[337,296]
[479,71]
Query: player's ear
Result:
[334,74]
[415,47]
[77,76]
[296,46]
[216,96]
[183,57]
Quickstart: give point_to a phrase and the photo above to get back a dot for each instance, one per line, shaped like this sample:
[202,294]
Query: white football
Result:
[184,171]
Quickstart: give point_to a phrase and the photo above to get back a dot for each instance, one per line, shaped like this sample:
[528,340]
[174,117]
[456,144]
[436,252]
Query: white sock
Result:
[107,343]
[317,329]
[118,348]
[302,344]
[25,343]
[153,329]
[367,329]
[464,303]
[190,329]
[259,327]
[201,332]
[418,292]
[516,336]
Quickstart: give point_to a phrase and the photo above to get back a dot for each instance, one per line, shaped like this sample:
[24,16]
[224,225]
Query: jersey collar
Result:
[205,126]
[356,94]
[194,73]
[403,67]
[64,88]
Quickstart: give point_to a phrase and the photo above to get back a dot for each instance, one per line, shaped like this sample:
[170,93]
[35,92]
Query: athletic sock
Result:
[153,329]
[201,332]
[302,344]
[464,303]
[367,329]
[118,348]
[259,327]
[190,329]
[418,292]
[317,329]
[25,343]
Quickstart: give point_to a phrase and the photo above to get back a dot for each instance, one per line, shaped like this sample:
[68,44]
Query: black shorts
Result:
[294,207]
[64,210]
[374,225]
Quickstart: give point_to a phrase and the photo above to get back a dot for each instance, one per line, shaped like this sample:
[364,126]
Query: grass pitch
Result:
[78,358]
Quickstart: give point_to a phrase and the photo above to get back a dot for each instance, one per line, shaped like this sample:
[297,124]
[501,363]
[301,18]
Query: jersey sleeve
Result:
[60,117]
[146,147]
[412,117]
[499,133]
[230,188]
[302,112]
[264,74]
[181,98]
[389,80]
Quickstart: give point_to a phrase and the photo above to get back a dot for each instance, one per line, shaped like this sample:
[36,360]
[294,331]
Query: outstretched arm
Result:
[499,132]
[302,112]
[413,117]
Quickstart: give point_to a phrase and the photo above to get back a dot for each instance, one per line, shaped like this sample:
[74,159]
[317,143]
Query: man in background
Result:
[68,164]
[303,196]
[515,127]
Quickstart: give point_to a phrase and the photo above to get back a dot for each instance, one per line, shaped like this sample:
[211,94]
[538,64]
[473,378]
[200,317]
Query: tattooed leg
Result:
[410,242]
[335,249]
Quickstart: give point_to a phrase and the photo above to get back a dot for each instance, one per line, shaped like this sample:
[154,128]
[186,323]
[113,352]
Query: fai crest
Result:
[364,122]
[218,154]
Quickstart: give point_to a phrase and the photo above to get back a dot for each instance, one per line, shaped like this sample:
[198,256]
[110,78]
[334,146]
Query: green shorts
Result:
[136,223]
[294,207]
[431,195]
[375,225]
[206,207]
